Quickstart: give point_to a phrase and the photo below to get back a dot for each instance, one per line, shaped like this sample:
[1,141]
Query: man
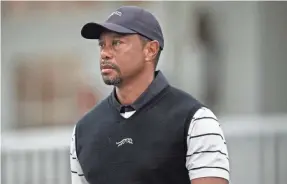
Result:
[146,131]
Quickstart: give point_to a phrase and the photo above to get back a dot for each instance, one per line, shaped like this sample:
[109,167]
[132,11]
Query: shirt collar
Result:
[158,84]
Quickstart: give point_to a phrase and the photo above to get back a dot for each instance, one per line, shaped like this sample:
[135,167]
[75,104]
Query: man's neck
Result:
[128,93]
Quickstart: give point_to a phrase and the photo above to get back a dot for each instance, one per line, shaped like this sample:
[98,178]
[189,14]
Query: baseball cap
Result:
[127,20]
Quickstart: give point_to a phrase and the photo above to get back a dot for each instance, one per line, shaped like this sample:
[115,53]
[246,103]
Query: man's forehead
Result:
[109,34]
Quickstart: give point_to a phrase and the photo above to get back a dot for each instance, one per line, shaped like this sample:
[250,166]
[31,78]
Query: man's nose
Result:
[106,53]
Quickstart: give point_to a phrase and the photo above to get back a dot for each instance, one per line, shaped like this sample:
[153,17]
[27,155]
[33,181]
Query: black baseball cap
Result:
[127,20]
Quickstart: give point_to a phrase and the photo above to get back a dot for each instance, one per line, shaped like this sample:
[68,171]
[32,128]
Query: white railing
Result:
[38,156]
[257,148]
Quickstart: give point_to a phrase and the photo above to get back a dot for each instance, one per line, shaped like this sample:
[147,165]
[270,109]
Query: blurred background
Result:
[230,55]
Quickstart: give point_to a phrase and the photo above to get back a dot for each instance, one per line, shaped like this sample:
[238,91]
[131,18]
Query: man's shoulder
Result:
[183,96]
[182,101]
[96,112]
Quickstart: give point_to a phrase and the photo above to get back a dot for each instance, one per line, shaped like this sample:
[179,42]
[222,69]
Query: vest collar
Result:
[158,84]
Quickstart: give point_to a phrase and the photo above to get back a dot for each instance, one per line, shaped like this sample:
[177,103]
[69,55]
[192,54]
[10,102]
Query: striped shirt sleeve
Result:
[76,170]
[207,154]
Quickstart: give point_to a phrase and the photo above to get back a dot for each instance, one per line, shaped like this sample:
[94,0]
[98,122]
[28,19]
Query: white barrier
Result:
[257,148]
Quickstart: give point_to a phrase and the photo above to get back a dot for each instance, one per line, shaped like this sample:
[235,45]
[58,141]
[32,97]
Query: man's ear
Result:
[151,50]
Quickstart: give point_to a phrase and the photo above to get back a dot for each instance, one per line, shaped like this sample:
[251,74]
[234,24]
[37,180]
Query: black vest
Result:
[147,148]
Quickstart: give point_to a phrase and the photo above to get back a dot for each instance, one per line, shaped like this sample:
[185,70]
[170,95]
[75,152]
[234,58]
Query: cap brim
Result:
[94,30]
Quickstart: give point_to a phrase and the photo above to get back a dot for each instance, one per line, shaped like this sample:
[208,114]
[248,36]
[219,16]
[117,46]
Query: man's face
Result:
[122,57]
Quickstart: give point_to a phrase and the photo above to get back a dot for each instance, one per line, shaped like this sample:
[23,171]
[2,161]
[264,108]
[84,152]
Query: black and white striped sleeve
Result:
[207,154]
[76,170]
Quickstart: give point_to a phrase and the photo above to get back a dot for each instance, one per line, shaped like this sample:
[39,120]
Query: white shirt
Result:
[207,154]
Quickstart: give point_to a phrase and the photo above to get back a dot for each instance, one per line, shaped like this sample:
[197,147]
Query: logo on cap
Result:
[116,13]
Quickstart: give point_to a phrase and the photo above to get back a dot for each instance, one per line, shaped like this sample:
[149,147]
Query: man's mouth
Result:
[103,67]
[107,68]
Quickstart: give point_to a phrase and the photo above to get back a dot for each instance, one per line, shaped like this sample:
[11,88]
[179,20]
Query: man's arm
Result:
[209,180]
[207,157]
[76,170]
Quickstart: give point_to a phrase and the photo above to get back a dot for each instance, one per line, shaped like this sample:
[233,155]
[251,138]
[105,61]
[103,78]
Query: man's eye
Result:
[101,45]
[116,42]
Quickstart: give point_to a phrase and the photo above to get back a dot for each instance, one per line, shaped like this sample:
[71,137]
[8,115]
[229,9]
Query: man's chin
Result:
[108,83]
[113,82]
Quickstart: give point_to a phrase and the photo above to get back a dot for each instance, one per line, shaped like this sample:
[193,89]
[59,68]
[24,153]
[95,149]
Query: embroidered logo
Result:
[125,141]
[116,13]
